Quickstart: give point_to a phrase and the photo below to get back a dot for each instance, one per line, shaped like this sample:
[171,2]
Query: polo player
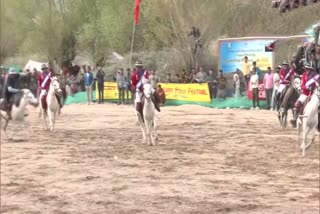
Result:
[44,82]
[286,73]
[142,77]
[309,77]
[9,90]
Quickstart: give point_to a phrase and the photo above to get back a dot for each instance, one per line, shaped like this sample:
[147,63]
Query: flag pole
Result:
[133,33]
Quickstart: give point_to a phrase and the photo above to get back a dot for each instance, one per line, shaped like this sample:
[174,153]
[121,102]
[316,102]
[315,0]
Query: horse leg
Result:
[6,122]
[147,131]
[299,125]
[45,120]
[142,126]
[53,121]
[50,119]
[306,131]
[154,130]
[312,139]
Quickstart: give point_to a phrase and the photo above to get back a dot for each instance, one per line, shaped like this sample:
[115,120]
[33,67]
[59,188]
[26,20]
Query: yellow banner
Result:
[185,92]
[110,91]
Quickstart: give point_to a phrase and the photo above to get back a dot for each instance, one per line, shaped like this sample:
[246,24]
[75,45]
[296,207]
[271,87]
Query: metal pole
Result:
[133,32]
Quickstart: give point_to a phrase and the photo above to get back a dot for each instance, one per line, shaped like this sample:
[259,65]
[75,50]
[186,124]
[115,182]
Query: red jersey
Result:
[137,78]
[44,80]
[285,76]
[308,82]
[134,81]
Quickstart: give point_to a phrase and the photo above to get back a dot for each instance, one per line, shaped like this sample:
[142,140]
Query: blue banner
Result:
[232,54]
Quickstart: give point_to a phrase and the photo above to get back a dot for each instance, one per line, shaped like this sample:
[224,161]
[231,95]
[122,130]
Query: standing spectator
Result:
[121,83]
[134,82]
[258,70]
[183,76]
[276,83]
[246,69]
[236,80]
[88,82]
[2,73]
[254,81]
[201,77]
[268,86]
[222,81]
[100,79]
[81,83]
[128,85]
[210,79]
[154,79]
[161,94]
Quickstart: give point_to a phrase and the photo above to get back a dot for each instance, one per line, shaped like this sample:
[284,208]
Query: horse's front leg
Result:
[53,121]
[154,132]
[6,122]
[148,132]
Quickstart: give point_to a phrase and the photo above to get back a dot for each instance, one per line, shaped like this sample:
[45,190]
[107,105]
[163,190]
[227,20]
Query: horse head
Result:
[147,91]
[55,85]
[296,83]
[29,97]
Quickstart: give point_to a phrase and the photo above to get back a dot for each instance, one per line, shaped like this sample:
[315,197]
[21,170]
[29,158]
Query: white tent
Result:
[34,64]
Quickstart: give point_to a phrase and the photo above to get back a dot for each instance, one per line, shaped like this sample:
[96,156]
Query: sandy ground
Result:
[208,161]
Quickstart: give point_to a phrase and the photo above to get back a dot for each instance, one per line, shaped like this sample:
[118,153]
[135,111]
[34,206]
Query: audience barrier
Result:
[178,94]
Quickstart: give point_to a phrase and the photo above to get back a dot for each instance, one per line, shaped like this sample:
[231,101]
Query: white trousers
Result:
[281,87]
[302,98]
[139,95]
[43,92]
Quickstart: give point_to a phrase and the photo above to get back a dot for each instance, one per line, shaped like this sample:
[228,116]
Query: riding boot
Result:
[278,101]
[156,101]
[139,108]
[296,113]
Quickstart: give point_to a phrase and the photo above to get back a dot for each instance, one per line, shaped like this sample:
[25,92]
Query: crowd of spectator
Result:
[217,82]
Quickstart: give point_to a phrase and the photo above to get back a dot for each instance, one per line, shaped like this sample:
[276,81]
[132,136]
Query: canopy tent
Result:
[31,65]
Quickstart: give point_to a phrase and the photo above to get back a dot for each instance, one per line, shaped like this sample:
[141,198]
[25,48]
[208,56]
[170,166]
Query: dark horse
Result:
[291,94]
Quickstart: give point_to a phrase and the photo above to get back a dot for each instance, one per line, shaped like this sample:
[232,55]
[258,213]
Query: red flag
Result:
[136,11]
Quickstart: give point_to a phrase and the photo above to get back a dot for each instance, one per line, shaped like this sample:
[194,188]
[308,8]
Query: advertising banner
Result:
[183,92]
[232,53]
[187,92]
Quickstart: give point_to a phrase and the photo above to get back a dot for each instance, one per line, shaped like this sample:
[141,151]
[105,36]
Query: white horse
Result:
[148,123]
[53,106]
[309,120]
[20,101]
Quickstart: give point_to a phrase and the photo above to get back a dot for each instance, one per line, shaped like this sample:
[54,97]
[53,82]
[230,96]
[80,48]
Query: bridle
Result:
[56,90]
[296,88]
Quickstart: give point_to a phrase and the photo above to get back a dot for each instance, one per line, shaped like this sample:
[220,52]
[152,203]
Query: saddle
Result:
[155,99]
[45,104]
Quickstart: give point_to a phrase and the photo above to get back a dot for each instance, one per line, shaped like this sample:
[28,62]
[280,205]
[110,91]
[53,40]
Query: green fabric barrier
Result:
[241,102]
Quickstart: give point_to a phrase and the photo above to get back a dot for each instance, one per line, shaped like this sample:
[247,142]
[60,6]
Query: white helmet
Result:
[13,71]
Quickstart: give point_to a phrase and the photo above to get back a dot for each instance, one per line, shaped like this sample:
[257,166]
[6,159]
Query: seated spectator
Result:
[201,77]
[192,78]
[184,77]
[161,94]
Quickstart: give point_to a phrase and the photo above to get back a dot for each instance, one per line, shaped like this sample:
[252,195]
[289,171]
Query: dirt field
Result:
[208,161]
